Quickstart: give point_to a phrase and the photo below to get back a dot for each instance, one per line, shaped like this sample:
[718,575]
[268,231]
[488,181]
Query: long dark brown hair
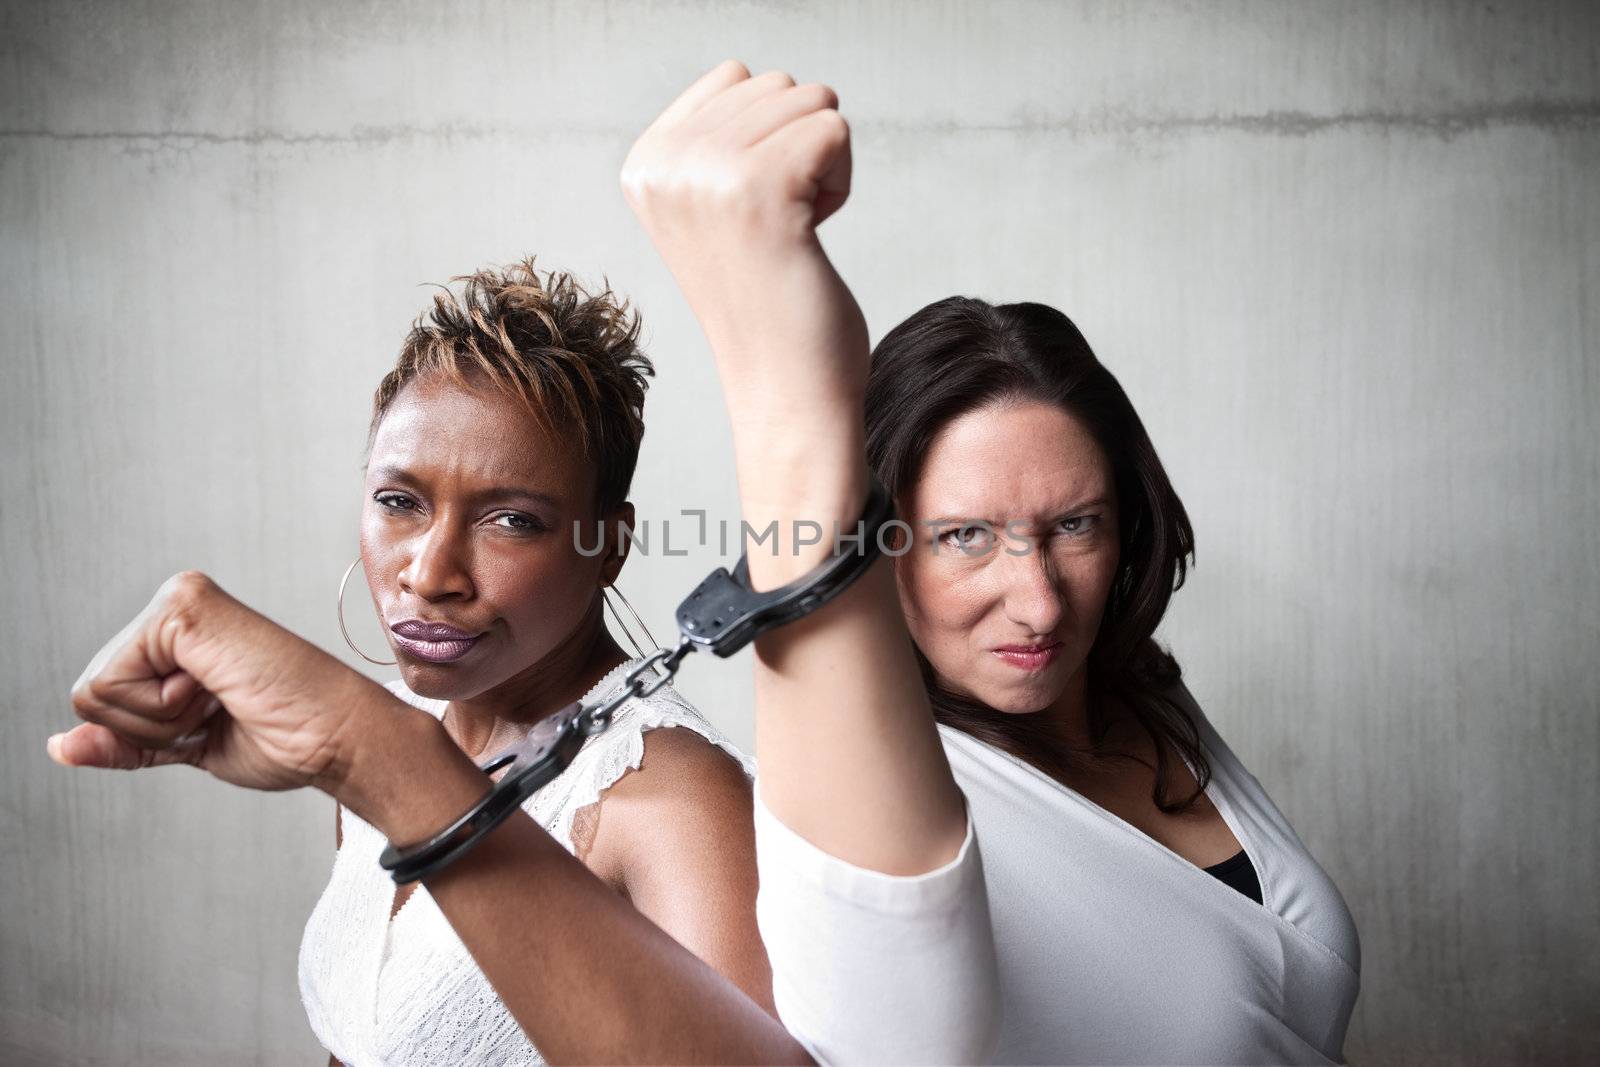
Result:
[961,354]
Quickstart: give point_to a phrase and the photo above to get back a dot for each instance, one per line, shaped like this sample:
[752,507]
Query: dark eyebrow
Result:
[387,472]
[390,473]
[963,520]
[509,492]
[957,520]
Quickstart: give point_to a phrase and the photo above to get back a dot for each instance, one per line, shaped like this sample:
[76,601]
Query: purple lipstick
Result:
[435,642]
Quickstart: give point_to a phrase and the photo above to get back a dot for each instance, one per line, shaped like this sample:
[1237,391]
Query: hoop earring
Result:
[623,623]
[338,609]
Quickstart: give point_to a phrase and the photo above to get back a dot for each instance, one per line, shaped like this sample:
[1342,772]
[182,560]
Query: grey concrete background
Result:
[1344,257]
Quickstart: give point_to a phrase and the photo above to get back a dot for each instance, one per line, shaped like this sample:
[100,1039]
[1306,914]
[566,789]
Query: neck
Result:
[501,715]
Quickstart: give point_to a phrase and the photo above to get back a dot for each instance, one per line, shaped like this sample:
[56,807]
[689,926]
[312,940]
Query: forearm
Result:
[850,758]
[732,181]
[586,976]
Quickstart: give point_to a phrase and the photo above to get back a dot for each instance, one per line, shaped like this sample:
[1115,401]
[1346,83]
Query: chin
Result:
[427,680]
[1009,699]
[1020,702]
[1007,690]
[1024,696]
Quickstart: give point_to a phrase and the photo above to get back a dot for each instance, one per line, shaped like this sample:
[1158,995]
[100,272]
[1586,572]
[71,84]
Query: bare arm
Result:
[200,678]
[731,182]
[677,837]
[587,975]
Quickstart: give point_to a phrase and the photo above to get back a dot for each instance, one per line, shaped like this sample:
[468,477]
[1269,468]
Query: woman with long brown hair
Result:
[1149,902]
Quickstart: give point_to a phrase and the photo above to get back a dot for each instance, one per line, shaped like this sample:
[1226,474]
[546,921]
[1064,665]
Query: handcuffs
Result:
[722,615]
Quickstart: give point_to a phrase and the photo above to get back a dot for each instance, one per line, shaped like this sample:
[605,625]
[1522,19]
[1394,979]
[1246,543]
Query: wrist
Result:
[819,507]
[402,773]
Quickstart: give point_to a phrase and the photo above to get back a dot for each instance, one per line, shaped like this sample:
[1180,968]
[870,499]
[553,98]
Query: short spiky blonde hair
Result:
[571,356]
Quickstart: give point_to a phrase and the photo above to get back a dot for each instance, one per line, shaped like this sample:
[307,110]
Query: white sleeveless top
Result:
[406,991]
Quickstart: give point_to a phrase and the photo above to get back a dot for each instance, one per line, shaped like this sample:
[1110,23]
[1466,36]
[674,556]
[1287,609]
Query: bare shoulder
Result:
[681,769]
[685,793]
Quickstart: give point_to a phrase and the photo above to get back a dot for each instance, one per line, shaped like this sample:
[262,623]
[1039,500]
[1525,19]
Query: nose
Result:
[438,567]
[1032,589]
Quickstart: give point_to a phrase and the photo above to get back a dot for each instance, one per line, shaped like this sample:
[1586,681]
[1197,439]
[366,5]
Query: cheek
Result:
[378,552]
[539,588]
[942,602]
[1085,583]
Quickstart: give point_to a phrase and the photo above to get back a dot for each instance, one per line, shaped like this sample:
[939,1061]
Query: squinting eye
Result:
[393,501]
[1079,525]
[513,521]
[973,538]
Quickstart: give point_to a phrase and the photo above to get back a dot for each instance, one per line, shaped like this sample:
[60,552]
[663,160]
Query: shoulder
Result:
[681,766]
[680,761]
[1222,758]
[685,800]
[669,782]
[1180,696]
[669,730]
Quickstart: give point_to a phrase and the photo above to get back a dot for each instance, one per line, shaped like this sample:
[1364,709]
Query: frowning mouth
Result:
[1029,657]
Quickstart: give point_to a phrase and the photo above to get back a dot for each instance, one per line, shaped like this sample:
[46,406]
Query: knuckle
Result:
[169,717]
[635,178]
[183,594]
[822,96]
[187,585]
[631,186]
[84,702]
[99,690]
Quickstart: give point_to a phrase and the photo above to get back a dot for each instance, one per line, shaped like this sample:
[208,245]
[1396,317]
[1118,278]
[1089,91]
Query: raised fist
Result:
[730,182]
[760,158]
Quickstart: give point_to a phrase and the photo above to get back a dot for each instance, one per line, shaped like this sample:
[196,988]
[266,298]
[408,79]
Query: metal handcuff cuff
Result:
[722,615]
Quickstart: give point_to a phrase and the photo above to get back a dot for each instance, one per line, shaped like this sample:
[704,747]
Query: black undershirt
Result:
[1239,872]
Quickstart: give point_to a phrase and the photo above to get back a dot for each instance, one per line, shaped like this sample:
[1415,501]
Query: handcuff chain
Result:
[722,614]
[634,684]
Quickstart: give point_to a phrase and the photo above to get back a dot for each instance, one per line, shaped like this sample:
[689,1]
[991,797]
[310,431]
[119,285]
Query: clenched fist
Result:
[199,678]
[731,182]
[757,159]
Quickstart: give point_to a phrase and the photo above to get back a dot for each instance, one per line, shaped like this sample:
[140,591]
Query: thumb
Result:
[832,134]
[92,745]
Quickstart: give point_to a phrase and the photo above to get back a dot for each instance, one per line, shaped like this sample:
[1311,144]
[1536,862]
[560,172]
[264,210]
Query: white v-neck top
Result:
[1111,948]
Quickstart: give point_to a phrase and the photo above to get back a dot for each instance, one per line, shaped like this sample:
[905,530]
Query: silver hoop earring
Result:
[338,609]
[623,623]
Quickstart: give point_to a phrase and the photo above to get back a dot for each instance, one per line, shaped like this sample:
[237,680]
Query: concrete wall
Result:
[1344,257]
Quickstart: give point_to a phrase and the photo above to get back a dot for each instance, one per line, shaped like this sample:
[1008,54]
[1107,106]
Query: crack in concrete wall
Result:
[1549,115]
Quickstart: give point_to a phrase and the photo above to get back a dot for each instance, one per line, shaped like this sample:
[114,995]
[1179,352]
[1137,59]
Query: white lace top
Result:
[406,991]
